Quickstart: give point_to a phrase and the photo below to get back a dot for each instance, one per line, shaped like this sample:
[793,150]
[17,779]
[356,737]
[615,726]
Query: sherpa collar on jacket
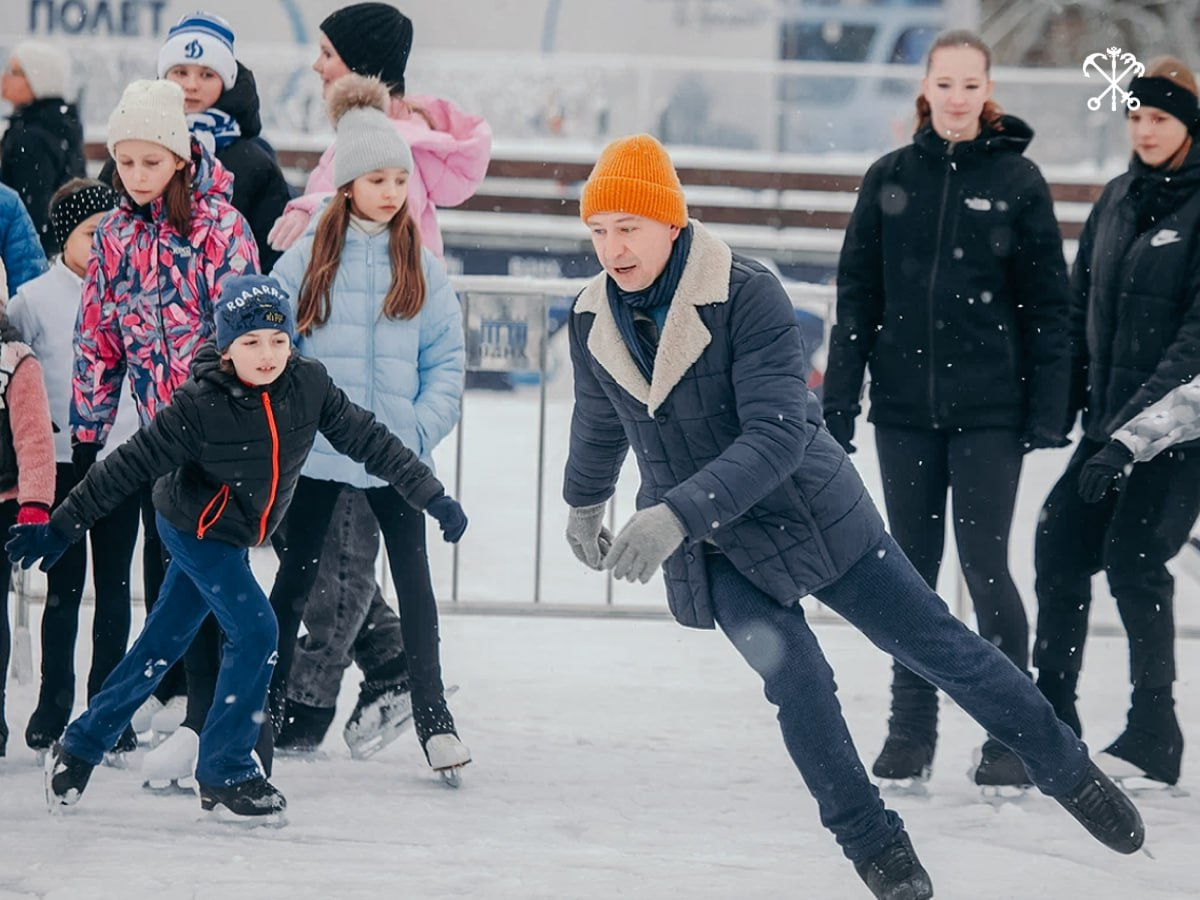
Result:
[684,337]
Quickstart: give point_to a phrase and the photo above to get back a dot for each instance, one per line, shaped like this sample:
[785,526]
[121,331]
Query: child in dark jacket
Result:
[221,102]
[225,455]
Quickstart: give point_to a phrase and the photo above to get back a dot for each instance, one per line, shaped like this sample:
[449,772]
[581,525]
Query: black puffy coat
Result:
[260,191]
[952,287]
[727,434]
[1136,304]
[41,151]
[227,456]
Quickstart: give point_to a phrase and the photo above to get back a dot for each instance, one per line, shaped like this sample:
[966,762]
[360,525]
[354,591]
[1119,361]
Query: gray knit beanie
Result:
[366,138]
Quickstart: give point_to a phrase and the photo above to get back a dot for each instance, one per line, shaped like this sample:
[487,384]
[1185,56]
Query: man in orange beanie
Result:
[690,355]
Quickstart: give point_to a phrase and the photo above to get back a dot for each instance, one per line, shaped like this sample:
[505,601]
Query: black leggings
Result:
[1130,535]
[403,530]
[980,468]
[112,539]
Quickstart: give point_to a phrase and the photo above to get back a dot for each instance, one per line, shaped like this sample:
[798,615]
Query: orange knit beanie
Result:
[634,175]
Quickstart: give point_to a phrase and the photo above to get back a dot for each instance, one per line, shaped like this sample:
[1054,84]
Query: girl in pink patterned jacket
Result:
[157,263]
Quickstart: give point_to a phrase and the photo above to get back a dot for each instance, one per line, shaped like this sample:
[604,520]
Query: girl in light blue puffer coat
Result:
[378,310]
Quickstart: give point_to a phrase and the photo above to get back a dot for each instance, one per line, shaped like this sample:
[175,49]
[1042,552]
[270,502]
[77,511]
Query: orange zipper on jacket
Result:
[221,496]
[262,522]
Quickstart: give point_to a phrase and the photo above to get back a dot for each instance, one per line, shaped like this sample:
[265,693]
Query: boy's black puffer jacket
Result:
[226,456]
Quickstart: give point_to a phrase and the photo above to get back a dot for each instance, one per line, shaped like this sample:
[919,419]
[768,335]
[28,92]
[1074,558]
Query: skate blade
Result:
[40,757]
[224,817]
[168,787]
[999,794]
[1140,785]
[451,777]
[313,755]
[906,787]
[368,747]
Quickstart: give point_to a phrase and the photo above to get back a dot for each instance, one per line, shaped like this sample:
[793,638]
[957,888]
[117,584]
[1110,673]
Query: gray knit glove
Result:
[643,545]
[589,539]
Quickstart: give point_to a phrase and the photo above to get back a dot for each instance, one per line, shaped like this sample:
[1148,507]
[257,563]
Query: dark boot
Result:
[1000,767]
[66,777]
[1059,689]
[895,873]
[1152,740]
[304,727]
[256,797]
[45,726]
[1108,815]
[912,728]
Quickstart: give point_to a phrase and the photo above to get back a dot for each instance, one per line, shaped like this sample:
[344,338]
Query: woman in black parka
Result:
[952,288]
[1135,337]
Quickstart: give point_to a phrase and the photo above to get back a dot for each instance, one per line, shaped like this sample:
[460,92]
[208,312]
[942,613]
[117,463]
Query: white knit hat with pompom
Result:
[366,138]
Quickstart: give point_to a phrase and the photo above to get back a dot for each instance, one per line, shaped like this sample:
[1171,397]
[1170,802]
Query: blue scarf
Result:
[653,301]
[214,128]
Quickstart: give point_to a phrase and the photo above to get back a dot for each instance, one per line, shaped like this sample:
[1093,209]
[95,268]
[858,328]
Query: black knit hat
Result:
[372,39]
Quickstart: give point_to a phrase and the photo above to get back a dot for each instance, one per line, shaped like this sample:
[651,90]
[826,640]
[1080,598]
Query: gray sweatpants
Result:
[346,616]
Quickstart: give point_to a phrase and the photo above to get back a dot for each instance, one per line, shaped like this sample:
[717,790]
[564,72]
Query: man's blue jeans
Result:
[204,576]
[887,600]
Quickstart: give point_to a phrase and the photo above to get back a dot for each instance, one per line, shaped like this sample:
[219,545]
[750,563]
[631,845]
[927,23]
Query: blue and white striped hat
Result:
[200,39]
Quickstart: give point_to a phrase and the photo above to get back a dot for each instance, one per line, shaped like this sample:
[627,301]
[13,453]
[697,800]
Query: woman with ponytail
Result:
[952,288]
[376,307]
[1135,339]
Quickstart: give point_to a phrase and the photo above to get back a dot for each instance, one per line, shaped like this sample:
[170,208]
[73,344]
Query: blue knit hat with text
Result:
[200,39]
[251,302]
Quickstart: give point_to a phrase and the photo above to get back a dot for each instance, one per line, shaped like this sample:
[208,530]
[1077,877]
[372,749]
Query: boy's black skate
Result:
[1105,812]
[252,801]
[65,776]
[904,758]
[896,873]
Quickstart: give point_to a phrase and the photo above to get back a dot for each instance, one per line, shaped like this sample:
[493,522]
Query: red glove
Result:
[33,514]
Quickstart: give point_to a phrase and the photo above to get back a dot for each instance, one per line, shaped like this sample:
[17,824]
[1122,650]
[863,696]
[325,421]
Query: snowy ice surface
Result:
[613,757]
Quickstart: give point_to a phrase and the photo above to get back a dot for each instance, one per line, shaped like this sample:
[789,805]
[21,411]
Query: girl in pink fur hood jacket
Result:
[451,149]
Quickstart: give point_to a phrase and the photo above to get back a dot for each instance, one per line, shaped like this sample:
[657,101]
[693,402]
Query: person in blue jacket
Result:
[20,246]
[689,355]
[376,307]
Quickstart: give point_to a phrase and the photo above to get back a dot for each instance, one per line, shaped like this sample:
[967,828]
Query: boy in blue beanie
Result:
[224,456]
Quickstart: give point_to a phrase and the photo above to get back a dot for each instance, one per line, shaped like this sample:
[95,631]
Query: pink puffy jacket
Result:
[450,159]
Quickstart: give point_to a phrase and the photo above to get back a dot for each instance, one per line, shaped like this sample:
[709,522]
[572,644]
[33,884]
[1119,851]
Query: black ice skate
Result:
[256,801]
[304,729]
[1108,815]
[1000,774]
[65,776]
[904,761]
[1149,753]
[896,873]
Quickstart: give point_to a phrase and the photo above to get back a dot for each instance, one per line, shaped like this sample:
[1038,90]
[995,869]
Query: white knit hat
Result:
[200,39]
[151,111]
[47,69]
[366,138]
